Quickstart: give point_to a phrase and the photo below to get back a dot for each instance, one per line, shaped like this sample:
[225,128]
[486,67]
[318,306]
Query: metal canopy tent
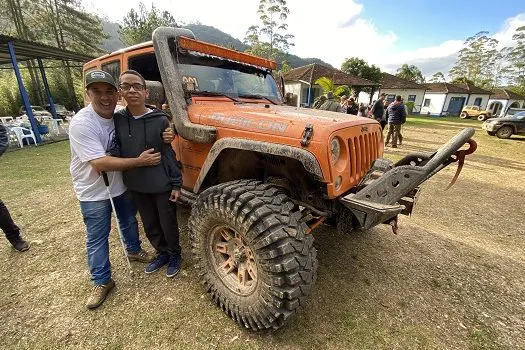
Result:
[13,50]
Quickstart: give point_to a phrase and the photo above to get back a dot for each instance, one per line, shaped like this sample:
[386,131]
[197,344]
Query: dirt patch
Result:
[453,278]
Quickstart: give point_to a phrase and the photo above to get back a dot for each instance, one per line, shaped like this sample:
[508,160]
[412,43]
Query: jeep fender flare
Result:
[172,81]
[306,158]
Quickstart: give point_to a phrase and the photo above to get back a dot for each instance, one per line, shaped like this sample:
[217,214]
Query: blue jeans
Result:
[97,218]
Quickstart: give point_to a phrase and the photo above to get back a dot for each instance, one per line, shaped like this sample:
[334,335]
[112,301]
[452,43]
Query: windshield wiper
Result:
[258,96]
[213,93]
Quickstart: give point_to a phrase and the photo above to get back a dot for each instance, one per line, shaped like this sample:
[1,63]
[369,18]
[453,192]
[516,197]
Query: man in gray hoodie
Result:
[155,189]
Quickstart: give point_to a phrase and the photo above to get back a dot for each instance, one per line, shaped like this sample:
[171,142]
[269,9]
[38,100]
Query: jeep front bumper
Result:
[392,189]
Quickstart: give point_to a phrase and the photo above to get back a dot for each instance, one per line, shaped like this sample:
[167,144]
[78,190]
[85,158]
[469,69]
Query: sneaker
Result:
[99,294]
[394,146]
[19,244]
[173,266]
[156,264]
[141,256]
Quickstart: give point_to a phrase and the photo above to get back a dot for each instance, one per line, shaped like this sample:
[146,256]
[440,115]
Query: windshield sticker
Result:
[190,83]
[263,125]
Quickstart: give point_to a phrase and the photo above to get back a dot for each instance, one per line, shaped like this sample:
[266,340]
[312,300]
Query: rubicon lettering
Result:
[265,125]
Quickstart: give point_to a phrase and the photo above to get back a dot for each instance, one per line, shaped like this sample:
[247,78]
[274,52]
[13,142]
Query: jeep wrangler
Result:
[260,175]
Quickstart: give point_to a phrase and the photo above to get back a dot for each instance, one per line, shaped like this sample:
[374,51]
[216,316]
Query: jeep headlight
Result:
[335,149]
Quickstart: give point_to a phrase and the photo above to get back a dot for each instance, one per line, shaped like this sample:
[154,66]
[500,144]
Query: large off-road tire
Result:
[256,260]
[504,132]
[482,117]
[464,115]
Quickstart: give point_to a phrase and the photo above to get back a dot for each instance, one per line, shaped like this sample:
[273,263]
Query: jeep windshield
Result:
[207,75]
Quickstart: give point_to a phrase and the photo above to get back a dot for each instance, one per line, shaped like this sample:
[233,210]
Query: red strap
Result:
[460,158]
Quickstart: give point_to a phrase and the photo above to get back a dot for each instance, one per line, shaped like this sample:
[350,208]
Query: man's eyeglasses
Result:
[127,87]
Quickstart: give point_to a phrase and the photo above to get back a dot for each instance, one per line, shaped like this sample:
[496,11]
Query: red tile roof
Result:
[311,72]
[473,89]
[445,88]
[505,94]
[390,81]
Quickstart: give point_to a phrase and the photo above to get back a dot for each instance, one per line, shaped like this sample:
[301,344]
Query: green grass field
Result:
[452,279]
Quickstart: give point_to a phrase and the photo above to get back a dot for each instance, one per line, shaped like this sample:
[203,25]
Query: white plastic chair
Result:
[20,135]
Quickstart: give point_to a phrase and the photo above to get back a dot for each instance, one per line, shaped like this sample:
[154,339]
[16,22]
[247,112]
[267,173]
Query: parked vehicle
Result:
[261,176]
[505,127]
[61,111]
[38,111]
[511,111]
[475,112]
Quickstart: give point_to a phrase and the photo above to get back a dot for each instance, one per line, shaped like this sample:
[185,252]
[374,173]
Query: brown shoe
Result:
[99,294]
[142,256]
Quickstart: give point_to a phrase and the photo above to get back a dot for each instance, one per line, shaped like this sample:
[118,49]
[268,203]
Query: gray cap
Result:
[99,76]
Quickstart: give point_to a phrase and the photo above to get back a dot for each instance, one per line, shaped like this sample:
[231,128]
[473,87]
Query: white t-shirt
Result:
[90,137]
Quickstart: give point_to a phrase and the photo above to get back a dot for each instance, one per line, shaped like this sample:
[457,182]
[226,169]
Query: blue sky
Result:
[427,23]
[426,33]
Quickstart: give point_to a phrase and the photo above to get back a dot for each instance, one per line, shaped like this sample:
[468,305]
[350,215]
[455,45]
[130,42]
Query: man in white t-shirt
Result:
[91,136]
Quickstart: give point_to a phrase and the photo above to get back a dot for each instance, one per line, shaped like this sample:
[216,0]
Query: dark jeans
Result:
[7,224]
[159,217]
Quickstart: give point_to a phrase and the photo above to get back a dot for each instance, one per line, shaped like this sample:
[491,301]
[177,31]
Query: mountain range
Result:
[205,33]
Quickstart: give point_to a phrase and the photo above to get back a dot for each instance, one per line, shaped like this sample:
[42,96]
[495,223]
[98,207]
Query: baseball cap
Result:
[99,76]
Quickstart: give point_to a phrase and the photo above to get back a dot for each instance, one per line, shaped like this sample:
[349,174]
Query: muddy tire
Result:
[491,133]
[464,115]
[482,117]
[504,132]
[255,259]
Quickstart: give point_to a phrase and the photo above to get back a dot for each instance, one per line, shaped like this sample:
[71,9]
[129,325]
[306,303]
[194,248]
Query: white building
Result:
[444,99]
[503,99]
[299,83]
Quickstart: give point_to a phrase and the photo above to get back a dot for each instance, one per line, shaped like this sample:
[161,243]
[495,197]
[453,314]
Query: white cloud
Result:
[332,30]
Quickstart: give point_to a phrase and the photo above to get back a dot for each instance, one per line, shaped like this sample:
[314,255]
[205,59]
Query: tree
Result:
[328,86]
[438,77]
[479,61]
[358,67]
[515,71]
[270,39]
[139,26]
[410,72]
[59,23]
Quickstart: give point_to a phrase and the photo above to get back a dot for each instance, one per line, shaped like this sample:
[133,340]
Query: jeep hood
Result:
[273,119]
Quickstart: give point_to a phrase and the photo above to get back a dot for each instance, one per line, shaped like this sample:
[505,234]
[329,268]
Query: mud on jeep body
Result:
[260,176]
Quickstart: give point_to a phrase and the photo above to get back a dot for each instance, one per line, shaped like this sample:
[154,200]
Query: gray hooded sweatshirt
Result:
[135,135]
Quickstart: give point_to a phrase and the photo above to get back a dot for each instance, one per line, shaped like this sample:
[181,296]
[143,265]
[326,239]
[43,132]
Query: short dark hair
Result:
[398,98]
[382,94]
[133,72]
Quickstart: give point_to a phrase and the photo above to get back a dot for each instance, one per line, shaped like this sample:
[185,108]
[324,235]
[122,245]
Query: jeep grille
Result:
[364,149]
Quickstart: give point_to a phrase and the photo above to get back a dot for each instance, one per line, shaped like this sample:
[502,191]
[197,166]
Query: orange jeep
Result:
[260,175]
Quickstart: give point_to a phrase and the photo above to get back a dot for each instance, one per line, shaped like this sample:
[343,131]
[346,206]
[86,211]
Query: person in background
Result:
[378,109]
[154,189]
[11,231]
[344,103]
[396,115]
[331,103]
[363,110]
[352,107]
[384,120]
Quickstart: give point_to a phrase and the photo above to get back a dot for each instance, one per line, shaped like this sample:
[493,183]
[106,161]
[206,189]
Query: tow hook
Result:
[393,223]
[459,157]
[307,134]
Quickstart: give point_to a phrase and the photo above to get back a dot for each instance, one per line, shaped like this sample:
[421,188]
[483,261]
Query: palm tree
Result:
[328,85]
[410,72]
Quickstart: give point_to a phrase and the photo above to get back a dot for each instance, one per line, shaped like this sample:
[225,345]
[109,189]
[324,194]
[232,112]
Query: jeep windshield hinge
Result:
[307,135]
